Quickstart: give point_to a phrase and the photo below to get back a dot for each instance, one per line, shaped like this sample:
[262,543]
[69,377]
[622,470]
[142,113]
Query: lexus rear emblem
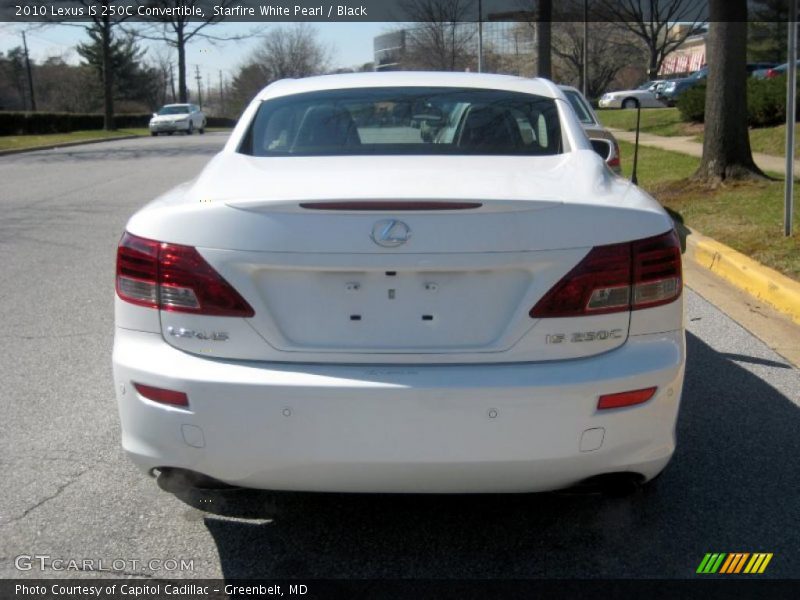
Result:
[390,233]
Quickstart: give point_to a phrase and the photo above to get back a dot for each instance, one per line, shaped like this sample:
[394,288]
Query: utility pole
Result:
[199,80]
[480,36]
[172,82]
[30,73]
[221,95]
[585,77]
[791,111]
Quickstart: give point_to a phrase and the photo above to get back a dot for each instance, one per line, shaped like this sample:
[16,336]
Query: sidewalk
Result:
[687,145]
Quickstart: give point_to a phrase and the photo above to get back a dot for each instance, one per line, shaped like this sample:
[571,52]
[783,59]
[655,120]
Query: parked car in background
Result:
[629,99]
[778,70]
[338,307]
[670,91]
[755,69]
[593,128]
[170,118]
[651,86]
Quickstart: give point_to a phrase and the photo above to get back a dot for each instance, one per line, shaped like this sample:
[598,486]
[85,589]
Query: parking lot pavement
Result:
[71,494]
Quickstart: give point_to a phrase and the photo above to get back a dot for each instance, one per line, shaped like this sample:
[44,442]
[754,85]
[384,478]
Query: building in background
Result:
[686,58]
[508,47]
[389,50]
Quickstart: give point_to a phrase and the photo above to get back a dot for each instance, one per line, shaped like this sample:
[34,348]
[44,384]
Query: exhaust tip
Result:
[176,480]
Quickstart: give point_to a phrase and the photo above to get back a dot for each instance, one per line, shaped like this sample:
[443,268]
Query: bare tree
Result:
[653,21]
[442,38]
[292,51]
[726,144]
[178,29]
[610,51]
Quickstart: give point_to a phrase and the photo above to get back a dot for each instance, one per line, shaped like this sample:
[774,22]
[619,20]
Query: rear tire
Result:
[170,133]
[190,129]
[154,133]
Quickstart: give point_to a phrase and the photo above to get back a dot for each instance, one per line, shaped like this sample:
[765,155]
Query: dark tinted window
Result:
[380,121]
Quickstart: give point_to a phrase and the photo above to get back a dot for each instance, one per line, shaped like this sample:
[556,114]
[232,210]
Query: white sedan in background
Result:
[170,118]
[629,99]
[339,303]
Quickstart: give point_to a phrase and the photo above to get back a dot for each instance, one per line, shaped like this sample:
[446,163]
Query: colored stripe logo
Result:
[734,563]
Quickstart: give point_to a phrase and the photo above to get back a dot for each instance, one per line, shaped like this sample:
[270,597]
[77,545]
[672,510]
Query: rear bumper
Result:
[400,428]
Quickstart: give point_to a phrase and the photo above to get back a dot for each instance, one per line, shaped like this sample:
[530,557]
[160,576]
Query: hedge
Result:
[26,123]
[766,102]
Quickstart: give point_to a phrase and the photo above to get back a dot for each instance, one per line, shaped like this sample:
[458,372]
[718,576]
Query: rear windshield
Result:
[389,121]
[173,110]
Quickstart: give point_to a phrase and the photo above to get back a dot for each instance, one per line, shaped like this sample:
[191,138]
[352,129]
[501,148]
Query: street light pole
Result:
[199,78]
[30,74]
[791,111]
[585,86]
[480,36]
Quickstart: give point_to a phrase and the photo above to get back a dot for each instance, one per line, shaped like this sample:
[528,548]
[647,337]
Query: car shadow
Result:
[731,487]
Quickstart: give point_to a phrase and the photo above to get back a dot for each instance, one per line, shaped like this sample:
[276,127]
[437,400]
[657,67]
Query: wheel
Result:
[629,103]
[170,132]
[190,129]
[202,130]
[154,133]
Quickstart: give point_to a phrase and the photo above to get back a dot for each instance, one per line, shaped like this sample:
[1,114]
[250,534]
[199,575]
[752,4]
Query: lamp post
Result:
[585,77]
[480,36]
[791,111]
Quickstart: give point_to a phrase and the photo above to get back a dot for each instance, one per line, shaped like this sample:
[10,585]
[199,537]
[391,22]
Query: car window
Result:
[174,110]
[580,108]
[388,121]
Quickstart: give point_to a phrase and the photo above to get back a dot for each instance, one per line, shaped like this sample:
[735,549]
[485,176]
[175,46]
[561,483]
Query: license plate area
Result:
[393,310]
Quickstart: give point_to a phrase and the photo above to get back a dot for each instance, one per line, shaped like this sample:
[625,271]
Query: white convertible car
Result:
[344,300]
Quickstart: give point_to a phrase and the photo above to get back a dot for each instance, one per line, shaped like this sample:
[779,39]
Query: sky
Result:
[350,43]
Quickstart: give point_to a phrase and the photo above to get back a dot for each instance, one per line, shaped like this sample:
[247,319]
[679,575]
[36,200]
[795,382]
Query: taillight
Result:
[771,73]
[161,395]
[137,270]
[615,161]
[617,278]
[174,278]
[656,270]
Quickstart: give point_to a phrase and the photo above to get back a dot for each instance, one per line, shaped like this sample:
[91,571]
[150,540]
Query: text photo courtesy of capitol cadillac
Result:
[367,299]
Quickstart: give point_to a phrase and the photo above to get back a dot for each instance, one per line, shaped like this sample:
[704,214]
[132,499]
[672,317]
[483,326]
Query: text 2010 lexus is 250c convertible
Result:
[402,282]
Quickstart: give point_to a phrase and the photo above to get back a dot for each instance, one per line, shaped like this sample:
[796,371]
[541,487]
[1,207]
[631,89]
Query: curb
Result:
[745,273]
[68,144]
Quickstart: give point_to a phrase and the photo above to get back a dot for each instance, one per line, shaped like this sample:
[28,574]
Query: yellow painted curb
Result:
[762,282]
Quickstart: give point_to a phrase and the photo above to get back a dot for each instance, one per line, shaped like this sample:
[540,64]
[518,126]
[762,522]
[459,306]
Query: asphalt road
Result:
[68,491]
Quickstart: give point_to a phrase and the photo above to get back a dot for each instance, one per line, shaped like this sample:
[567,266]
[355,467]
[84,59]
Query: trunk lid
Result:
[453,285]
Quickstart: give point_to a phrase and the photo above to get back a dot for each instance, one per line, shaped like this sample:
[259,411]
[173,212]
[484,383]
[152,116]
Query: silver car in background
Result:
[630,98]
